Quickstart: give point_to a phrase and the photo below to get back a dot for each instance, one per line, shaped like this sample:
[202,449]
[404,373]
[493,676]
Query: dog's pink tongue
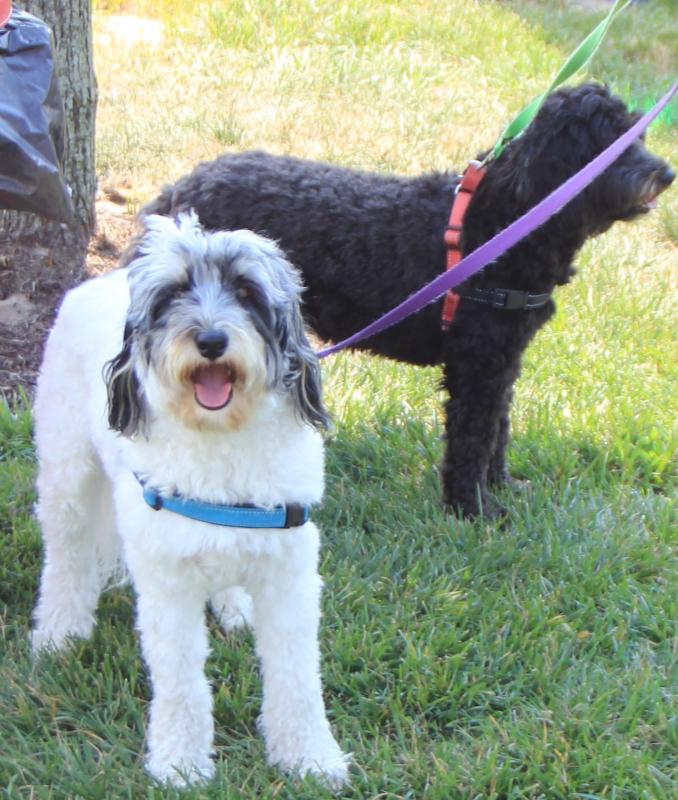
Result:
[213,386]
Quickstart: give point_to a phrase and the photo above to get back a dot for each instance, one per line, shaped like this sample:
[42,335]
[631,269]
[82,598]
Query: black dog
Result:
[364,242]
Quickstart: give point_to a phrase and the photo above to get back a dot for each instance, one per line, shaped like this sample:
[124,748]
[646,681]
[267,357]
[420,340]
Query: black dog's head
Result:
[573,126]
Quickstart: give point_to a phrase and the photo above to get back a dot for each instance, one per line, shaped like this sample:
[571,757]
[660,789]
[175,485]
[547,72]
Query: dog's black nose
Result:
[211,344]
[666,176]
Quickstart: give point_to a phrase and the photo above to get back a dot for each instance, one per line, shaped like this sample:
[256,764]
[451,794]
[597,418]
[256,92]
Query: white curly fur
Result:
[92,512]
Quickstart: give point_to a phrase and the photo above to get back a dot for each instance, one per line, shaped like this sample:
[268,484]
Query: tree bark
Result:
[71,24]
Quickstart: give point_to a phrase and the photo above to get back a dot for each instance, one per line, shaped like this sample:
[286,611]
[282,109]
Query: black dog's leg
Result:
[470,435]
[498,475]
[497,472]
[476,433]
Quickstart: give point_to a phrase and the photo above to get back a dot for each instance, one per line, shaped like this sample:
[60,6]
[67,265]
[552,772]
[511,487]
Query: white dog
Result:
[184,385]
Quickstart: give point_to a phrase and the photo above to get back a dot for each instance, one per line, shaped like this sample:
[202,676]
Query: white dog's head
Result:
[214,321]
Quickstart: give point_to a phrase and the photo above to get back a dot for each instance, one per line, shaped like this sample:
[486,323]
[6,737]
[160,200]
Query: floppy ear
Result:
[302,371]
[126,405]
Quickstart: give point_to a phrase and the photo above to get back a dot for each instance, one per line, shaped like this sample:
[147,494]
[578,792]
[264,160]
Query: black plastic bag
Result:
[31,121]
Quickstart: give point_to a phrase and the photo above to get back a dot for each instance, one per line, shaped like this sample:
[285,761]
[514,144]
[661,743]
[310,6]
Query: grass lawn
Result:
[460,659]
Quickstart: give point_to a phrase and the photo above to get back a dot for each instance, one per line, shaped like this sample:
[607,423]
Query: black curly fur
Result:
[366,241]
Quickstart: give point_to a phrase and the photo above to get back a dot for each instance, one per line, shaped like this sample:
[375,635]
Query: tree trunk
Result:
[39,258]
[71,24]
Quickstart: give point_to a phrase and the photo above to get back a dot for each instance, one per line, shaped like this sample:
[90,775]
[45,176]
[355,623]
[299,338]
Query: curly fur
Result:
[365,241]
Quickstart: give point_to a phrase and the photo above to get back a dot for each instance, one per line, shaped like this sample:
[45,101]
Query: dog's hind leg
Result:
[498,475]
[497,472]
[75,513]
[286,597]
[232,607]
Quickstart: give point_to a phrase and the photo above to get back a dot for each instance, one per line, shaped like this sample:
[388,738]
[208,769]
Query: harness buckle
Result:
[452,236]
[500,298]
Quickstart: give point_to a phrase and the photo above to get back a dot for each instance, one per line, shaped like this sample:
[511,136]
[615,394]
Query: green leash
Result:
[573,64]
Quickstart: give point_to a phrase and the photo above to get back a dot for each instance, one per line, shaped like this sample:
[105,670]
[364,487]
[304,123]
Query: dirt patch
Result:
[33,280]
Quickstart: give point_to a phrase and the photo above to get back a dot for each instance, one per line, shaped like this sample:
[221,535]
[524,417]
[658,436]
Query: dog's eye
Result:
[164,298]
[251,295]
[243,289]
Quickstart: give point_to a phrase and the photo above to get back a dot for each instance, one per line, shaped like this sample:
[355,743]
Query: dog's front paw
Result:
[324,759]
[180,773]
[43,641]
[59,637]
[484,506]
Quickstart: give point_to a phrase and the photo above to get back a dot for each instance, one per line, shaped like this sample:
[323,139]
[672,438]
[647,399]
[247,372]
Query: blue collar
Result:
[238,516]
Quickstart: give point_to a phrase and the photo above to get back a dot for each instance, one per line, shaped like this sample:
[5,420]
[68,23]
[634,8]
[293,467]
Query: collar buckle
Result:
[295,515]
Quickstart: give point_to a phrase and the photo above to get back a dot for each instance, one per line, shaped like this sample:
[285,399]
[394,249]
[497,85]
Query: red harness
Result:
[470,180]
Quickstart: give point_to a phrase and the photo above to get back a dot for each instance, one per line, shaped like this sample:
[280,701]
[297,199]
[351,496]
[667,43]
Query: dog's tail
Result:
[162,204]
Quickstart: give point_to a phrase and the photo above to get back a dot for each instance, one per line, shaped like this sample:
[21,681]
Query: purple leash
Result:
[503,241]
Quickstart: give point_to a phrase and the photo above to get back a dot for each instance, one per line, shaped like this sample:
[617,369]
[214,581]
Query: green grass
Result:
[460,660]
[643,37]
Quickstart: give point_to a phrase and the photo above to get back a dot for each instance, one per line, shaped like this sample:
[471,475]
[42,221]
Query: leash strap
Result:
[237,516]
[579,58]
[504,240]
[470,180]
